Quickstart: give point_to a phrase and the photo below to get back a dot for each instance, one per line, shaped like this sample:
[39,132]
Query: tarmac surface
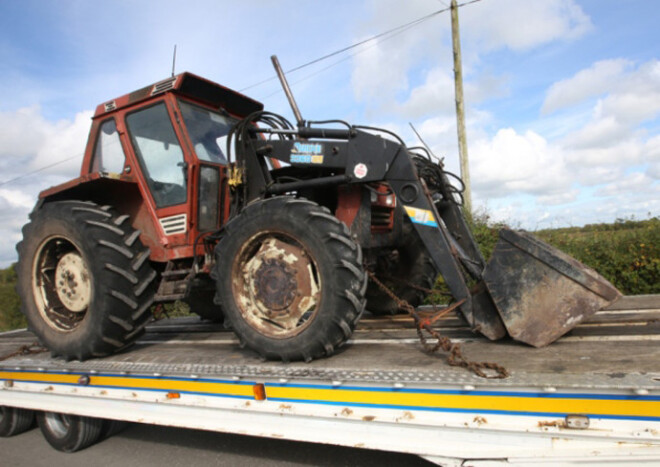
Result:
[150,445]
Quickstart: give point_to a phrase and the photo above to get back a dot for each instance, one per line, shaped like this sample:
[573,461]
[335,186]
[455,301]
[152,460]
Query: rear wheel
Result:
[69,433]
[14,421]
[84,279]
[405,271]
[290,279]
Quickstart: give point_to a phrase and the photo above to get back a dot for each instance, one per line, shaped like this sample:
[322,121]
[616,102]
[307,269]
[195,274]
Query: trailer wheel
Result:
[84,279]
[290,279]
[112,427]
[409,264]
[69,433]
[14,421]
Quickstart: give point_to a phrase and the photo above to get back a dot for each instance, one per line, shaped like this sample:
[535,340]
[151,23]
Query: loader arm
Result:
[354,156]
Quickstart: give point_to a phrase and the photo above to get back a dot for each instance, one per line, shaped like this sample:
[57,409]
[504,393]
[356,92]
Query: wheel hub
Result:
[72,282]
[278,292]
[275,284]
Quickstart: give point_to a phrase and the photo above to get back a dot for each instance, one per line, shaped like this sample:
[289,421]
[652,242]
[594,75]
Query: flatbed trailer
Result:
[591,397]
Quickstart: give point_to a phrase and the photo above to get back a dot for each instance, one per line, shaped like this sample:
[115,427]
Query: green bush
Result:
[10,305]
[627,253]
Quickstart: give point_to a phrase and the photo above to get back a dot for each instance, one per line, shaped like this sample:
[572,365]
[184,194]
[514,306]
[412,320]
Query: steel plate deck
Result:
[617,350]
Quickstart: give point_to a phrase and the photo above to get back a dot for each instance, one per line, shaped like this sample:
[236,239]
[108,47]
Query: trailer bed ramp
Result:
[593,396]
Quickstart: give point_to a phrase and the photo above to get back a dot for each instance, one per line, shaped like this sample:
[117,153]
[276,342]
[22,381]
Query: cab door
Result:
[164,169]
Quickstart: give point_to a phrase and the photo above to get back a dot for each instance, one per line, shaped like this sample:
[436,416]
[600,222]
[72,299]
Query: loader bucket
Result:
[540,292]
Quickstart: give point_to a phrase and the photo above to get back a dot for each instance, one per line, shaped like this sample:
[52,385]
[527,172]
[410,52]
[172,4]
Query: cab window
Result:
[208,131]
[108,154]
[159,153]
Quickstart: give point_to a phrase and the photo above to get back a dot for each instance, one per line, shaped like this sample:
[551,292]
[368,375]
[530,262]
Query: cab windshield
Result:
[207,131]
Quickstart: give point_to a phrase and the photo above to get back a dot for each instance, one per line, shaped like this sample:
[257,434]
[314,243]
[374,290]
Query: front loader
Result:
[192,191]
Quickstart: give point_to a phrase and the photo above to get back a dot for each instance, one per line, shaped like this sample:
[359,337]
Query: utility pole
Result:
[460,108]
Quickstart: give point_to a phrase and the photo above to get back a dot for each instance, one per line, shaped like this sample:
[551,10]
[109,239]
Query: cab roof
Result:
[187,85]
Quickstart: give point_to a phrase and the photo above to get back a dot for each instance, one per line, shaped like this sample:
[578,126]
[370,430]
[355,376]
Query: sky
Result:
[562,96]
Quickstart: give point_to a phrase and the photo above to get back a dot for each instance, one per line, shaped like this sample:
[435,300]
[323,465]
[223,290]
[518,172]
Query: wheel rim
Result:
[61,284]
[58,423]
[276,285]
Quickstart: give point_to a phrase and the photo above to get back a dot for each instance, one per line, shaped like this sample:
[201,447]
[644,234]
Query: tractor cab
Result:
[167,142]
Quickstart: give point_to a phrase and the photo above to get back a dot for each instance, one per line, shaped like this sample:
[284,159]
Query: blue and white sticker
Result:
[421,216]
[306,153]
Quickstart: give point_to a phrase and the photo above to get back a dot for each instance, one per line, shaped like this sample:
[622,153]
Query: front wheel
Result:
[289,279]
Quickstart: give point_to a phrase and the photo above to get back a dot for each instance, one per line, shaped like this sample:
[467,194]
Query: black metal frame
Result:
[354,156]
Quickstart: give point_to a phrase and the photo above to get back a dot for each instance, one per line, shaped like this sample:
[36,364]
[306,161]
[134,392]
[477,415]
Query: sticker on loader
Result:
[421,216]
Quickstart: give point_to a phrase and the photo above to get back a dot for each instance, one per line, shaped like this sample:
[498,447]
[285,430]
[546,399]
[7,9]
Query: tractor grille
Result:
[173,224]
[163,86]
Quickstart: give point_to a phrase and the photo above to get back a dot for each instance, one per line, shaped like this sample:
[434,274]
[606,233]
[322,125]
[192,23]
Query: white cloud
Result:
[16,199]
[383,75]
[598,79]
[29,142]
[515,163]
[632,183]
[654,171]
[65,141]
[522,25]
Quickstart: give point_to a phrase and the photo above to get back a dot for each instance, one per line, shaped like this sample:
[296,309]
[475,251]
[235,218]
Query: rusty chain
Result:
[27,349]
[423,322]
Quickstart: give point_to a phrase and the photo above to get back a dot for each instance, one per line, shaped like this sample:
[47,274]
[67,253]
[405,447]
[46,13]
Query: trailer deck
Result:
[592,396]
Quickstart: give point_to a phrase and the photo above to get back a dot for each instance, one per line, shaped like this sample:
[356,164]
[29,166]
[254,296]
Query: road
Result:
[148,445]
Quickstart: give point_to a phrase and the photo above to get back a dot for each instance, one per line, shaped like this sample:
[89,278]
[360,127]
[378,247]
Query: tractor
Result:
[191,191]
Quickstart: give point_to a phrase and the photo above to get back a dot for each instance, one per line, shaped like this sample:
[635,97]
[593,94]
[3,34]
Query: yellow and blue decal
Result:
[516,403]
[421,216]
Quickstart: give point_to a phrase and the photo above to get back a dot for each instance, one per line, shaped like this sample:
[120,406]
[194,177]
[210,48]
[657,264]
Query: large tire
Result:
[14,421]
[409,263]
[70,433]
[84,279]
[111,428]
[290,279]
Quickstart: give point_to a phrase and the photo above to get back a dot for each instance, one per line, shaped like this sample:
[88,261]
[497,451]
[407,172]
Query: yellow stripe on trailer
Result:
[512,404]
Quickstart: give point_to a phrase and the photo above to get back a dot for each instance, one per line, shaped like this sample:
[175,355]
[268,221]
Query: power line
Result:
[357,44]
[378,38]
[40,169]
[325,68]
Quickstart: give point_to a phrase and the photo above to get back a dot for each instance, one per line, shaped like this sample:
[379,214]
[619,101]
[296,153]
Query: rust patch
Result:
[368,418]
[480,420]
[275,286]
[285,407]
[346,412]
[406,416]
[553,424]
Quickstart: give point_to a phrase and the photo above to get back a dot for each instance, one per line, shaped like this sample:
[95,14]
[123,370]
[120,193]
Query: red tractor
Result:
[191,191]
